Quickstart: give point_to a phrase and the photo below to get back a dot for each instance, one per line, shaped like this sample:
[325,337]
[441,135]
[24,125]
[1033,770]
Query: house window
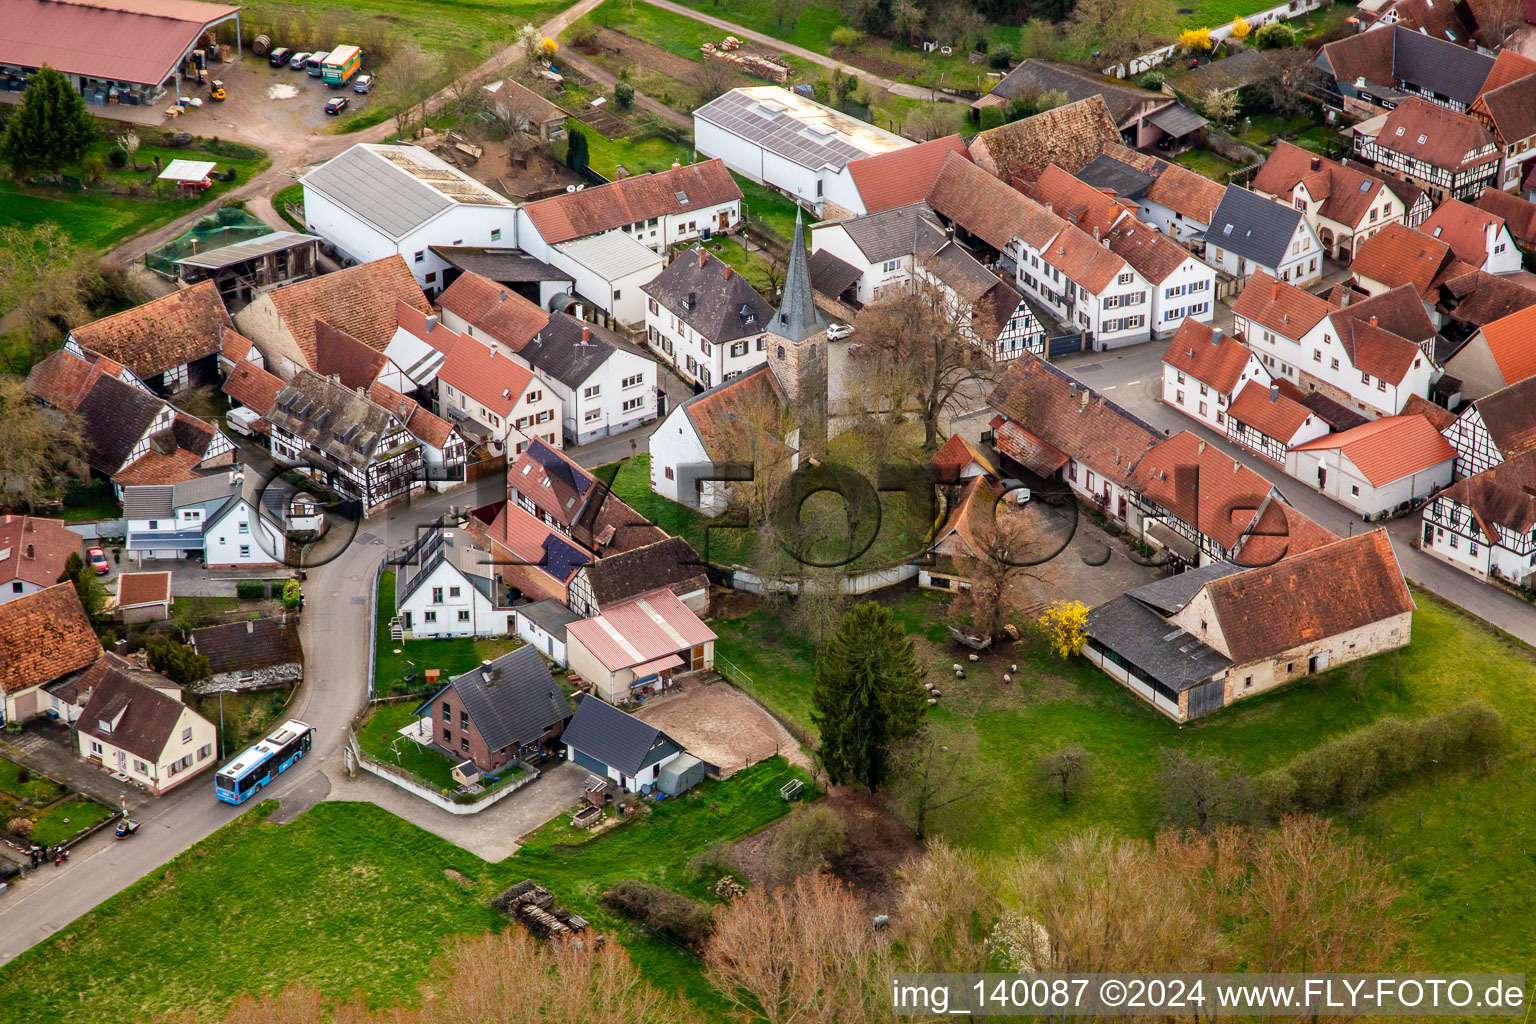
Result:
[463,616]
[447,712]
[429,616]
[534,396]
[245,551]
[154,524]
[651,305]
[631,404]
[205,751]
[592,391]
[447,735]
[1333,363]
[1124,279]
[437,595]
[616,294]
[186,735]
[245,528]
[1355,490]
[1381,385]
[420,255]
[1317,355]
[668,473]
[632,382]
[495,234]
[140,767]
[1472,548]
[463,719]
[591,414]
[431,276]
[1365,378]
[95,747]
[464,744]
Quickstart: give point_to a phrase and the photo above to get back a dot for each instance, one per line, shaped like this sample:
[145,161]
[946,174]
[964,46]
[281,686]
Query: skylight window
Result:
[1227,229]
[1365,186]
[1423,139]
[682,197]
[1400,129]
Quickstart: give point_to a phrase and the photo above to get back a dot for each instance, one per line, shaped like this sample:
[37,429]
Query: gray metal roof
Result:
[617,739]
[798,318]
[1253,227]
[511,701]
[227,255]
[1179,120]
[149,501]
[775,127]
[1171,594]
[1156,647]
[549,615]
[610,255]
[1439,65]
[504,266]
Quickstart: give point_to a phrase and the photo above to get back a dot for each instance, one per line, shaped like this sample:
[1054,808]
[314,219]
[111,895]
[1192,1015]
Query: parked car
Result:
[336,106]
[298,60]
[837,332]
[280,56]
[98,560]
[312,65]
[363,83]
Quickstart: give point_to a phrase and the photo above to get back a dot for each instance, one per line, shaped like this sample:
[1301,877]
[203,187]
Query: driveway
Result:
[492,834]
[718,723]
[48,748]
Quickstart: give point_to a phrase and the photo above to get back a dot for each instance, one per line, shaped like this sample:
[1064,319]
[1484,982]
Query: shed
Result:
[188,173]
[680,775]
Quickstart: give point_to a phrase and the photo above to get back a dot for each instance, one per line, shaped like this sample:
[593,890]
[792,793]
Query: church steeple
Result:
[798,318]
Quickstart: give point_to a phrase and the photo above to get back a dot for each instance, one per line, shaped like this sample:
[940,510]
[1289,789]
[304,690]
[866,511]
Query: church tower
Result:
[797,349]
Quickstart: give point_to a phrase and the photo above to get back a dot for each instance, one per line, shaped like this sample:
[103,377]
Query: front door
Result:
[1322,477]
[698,657]
[1429,534]
[122,761]
[725,220]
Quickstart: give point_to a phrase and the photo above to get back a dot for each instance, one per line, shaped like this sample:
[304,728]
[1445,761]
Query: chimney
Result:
[727,272]
[1345,297]
[693,299]
[1201,449]
[703,258]
[1274,392]
[675,165]
[1236,466]
[1215,335]
[431,322]
[1050,207]
[1317,163]
[1082,402]
[1274,290]
[1373,321]
[586,334]
[1096,233]
[493,349]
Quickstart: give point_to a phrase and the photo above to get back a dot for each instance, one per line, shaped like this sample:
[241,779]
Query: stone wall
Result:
[272,678]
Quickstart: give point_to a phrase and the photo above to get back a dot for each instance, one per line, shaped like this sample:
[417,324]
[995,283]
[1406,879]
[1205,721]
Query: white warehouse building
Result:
[374,200]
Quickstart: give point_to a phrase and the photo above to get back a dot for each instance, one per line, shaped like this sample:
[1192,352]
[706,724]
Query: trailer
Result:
[340,65]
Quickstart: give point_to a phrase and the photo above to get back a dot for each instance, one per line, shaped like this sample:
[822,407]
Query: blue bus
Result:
[258,766]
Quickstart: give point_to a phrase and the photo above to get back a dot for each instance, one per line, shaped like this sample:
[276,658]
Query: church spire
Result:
[798,318]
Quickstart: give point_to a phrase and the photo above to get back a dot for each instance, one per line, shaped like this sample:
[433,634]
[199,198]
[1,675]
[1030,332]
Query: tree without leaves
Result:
[1204,792]
[1008,544]
[806,953]
[1065,772]
[459,65]
[39,447]
[928,337]
[945,910]
[867,696]
[908,19]
[1120,29]
[50,130]
[410,82]
[927,777]
[932,121]
[46,280]
[1292,80]
[786,10]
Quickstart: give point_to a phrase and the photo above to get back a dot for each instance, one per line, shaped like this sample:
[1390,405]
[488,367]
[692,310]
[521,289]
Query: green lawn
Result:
[349,899]
[380,736]
[1203,161]
[1453,836]
[35,789]
[87,500]
[66,820]
[481,27]
[291,194]
[453,656]
[100,220]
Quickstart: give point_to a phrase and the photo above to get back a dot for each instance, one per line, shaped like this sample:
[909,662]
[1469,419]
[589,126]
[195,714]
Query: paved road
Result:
[916,92]
[336,632]
[1133,378]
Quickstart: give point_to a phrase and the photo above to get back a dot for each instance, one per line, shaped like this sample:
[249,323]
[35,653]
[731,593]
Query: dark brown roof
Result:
[1449,140]
[359,300]
[669,563]
[1065,414]
[1397,310]
[338,353]
[989,208]
[1510,109]
[1510,416]
[1398,255]
[43,636]
[1438,415]
[134,588]
[241,646]
[1502,496]
[1519,214]
[1197,351]
[1123,99]
[594,210]
[496,312]
[321,413]
[145,718]
[1308,597]
[1070,136]
[1486,297]
[163,333]
[114,416]
[1366,55]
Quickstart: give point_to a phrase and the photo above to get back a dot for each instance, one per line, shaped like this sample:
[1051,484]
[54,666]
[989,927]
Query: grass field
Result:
[453,656]
[350,899]
[1203,161]
[380,737]
[35,789]
[66,820]
[482,27]
[1453,836]
[291,194]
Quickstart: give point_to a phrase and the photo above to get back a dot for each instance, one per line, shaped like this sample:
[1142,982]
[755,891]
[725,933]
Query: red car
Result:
[98,560]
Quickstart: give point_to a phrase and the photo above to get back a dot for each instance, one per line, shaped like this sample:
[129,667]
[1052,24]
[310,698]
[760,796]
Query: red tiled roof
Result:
[422,425]
[1081,425]
[360,300]
[1299,600]
[1282,531]
[594,210]
[44,636]
[1076,201]
[988,208]
[1398,255]
[971,518]
[1438,415]
[1070,135]
[1202,485]
[159,468]
[496,381]
[1334,187]
[1280,306]
[902,176]
[163,333]
[1510,109]
[1486,297]
[1154,255]
[252,386]
[338,353]
[1027,449]
[712,412]
[143,588]
[1450,139]
[954,456]
[35,550]
[123,40]
[1085,261]
[1388,449]
[1508,66]
[233,345]
[1464,228]
[497,313]
[1197,351]
[1272,413]
[1509,340]
[1519,214]
[60,379]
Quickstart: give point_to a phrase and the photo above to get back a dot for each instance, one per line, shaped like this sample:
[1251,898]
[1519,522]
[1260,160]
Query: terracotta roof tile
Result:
[1438,415]
[163,333]
[1487,297]
[1280,306]
[1202,485]
[1508,66]
[606,207]
[494,380]
[1518,214]
[1398,310]
[989,208]
[143,588]
[1510,110]
[34,550]
[1217,361]
[1319,593]
[1504,496]
[233,345]
[494,311]
[1089,263]
[1154,255]
[902,176]
[1450,140]
[422,425]
[1388,449]
[158,468]
[711,412]
[1464,228]
[1070,135]
[1398,255]
[1282,531]
[1509,339]
[952,458]
[1344,194]
[1077,201]
[60,379]
[43,636]
[338,353]
[359,300]
[1270,412]
[1082,426]
[252,386]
